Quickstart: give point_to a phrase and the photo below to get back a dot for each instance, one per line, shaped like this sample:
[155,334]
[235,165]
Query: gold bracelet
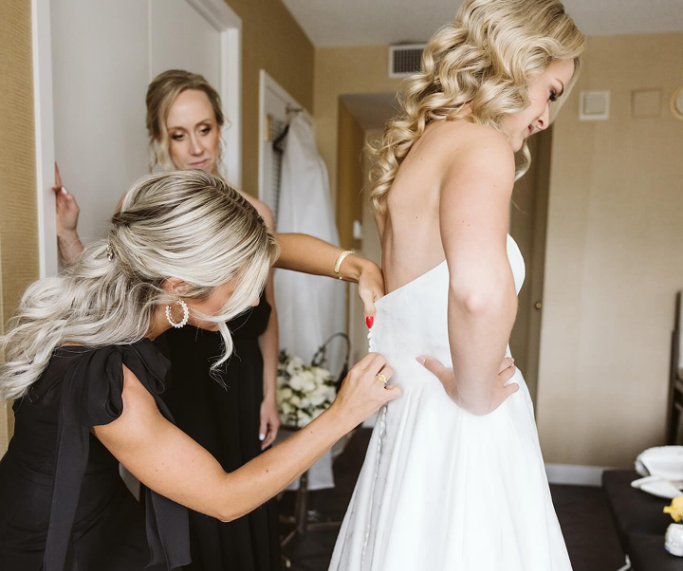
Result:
[340,259]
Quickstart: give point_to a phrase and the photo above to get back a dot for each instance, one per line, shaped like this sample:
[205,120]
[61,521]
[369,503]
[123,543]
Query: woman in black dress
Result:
[224,418]
[236,419]
[184,249]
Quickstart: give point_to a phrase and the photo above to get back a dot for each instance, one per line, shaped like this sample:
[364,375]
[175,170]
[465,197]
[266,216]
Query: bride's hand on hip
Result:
[499,390]
[364,389]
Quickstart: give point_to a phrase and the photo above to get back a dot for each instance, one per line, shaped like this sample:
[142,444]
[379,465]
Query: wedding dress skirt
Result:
[440,488]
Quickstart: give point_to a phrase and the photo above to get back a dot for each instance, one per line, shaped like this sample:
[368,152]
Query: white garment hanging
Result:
[310,308]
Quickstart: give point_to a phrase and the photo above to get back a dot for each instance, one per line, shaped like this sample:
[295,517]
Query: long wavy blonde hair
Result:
[186,224]
[484,60]
[161,93]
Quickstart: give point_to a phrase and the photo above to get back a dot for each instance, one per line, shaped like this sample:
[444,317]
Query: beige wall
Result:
[271,40]
[350,177]
[614,260]
[339,71]
[18,214]
[350,180]
[370,248]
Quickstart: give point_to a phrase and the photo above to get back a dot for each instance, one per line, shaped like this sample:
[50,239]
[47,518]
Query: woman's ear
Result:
[175,286]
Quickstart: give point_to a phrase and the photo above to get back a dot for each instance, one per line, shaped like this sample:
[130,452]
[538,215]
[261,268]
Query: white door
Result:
[103,56]
[182,38]
[100,73]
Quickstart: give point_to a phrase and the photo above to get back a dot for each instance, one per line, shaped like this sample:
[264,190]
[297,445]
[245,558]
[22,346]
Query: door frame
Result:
[219,15]
[267,82]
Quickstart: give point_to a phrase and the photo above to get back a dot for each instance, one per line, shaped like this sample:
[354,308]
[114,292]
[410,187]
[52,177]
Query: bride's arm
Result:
[482,302]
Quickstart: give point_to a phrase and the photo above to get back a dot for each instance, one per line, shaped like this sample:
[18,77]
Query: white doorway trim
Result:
[229,24]
[266,82]
[219,15]
[44,133]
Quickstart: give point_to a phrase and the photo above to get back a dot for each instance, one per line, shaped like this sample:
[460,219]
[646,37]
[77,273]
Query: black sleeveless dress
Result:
[224,419]
[63,506]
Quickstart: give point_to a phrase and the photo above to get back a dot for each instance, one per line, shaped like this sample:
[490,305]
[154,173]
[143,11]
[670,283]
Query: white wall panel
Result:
[103,56]
[100,75]
[181,38]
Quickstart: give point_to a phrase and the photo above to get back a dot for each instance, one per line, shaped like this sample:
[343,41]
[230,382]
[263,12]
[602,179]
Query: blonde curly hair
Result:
[483,63]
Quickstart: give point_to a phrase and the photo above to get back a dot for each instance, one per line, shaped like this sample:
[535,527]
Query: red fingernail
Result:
[369,321]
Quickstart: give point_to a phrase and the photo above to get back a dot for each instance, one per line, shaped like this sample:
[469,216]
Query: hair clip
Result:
[110,252]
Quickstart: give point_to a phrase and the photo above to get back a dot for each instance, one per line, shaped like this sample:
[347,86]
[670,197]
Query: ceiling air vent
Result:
[405,60]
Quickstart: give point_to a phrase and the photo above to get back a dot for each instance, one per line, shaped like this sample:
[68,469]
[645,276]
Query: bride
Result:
[454,478]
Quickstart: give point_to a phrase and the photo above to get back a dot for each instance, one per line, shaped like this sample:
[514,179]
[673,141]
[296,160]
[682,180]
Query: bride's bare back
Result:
[409,228]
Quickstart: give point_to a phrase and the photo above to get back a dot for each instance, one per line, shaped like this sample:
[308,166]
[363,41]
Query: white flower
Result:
[322,374]
[318,412]
[295,400]
[303,419]
[286,408]
[320,390]
[317,398]
[305,403]
[329,392]
[309,387]
[297,382]
[284,394]
[308,381]
[307,375]
[294,366]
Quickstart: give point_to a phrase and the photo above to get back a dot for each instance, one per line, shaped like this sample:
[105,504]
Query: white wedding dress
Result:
[440,488]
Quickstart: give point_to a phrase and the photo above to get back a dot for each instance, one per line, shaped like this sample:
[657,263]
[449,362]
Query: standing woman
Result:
[234,417]
[454,477]
[237,417]
[87,382]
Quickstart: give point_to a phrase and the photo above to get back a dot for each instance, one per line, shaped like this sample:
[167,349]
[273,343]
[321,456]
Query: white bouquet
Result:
[303,391]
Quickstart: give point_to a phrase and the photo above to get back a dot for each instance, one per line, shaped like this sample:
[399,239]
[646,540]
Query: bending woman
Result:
[87,378]
[236,419]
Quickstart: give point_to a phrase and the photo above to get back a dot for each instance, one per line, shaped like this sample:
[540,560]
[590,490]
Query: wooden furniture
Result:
[674,428]
[640,522]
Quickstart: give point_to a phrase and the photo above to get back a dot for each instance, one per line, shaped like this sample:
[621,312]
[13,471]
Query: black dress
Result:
[63,506]
[224,418]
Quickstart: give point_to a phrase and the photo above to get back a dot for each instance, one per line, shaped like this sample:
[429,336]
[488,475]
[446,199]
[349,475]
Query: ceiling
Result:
[366,22]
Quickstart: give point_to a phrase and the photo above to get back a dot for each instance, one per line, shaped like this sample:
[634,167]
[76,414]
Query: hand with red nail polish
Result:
[370,289]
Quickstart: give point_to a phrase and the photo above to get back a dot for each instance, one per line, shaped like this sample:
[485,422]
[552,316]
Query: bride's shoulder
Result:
[475,159]
[461,142]
[471,147]
[472,136]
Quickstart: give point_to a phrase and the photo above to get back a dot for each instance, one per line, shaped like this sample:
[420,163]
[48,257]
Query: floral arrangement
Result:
[303,391]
